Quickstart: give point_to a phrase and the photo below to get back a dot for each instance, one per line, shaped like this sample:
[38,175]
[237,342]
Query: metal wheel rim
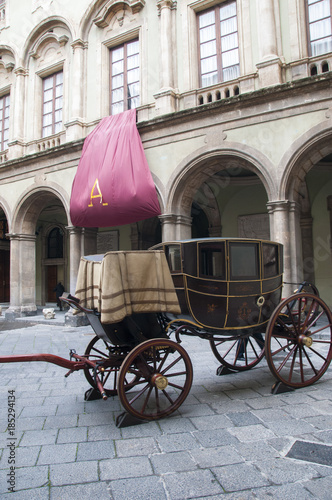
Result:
[231,360]
[300,319]
[151,403]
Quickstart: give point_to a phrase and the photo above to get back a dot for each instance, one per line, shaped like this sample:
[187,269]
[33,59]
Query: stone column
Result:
[280,232]
[183,227]
[75,253]
[75,122]
[16,142]
[166,97]
[22,276]
[14,309]
[269,67]
[307,249]
[295,242]
[168,227]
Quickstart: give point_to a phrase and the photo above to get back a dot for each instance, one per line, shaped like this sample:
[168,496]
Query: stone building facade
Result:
[234,110]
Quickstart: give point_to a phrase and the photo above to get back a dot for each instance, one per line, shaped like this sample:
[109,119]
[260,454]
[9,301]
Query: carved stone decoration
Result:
[254,226]
[103,18]
[47,38]
[107,241]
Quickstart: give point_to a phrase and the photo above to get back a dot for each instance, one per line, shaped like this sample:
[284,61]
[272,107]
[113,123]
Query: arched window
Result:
[55,244]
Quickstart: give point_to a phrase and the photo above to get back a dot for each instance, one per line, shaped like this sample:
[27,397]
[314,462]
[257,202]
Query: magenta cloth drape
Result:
[113,184]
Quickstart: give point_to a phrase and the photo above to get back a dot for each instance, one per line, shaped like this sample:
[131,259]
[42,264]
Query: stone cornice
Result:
[261,96]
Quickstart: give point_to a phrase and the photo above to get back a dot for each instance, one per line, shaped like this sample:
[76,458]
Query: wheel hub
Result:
[307,341]
[159,381]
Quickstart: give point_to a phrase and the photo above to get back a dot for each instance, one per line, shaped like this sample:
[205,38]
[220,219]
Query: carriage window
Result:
[173,255]
[270,260]
[244,261]
[212,261]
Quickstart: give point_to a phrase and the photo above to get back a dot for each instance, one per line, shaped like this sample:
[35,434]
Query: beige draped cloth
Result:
[124,283]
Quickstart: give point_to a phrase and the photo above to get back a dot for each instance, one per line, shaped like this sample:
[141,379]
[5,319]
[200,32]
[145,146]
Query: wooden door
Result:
[4,276]
[52,281]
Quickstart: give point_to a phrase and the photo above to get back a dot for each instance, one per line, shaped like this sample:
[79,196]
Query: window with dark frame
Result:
[244,261]
[4,121]
[3,230]
[173,256]
[52,104]
[55,244]
[212,260]
[319,26]
[270,260]
[125,77]
[218,44]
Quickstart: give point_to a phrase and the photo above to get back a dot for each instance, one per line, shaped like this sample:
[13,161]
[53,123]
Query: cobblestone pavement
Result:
[230,438]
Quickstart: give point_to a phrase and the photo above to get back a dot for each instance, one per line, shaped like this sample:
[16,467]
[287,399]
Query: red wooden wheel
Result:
[163,376]
[299,340]
[109,359]
[239,354]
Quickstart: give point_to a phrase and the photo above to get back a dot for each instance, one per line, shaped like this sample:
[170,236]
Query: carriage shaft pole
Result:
[48,358]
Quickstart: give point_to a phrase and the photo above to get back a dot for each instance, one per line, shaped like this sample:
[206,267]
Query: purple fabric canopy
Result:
[113,184]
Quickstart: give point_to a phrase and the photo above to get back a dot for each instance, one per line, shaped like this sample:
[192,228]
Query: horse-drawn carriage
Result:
[227,291]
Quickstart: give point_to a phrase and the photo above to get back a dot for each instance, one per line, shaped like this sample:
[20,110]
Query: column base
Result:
[76,320]
[270,72]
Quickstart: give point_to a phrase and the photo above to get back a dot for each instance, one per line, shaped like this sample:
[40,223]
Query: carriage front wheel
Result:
[298,341]
[163,373]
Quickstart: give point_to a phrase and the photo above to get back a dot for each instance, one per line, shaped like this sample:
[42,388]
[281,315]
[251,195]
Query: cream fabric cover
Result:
[124,283]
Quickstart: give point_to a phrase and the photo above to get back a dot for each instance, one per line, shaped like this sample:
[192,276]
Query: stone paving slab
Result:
[229,439]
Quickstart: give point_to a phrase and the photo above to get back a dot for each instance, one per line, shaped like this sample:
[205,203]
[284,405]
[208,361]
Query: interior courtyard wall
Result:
[267,128]
[245,200]
[321,238]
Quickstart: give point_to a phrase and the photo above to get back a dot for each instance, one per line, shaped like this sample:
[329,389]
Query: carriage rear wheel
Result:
[239,354]
[164,374]
[109,360]
[299,340]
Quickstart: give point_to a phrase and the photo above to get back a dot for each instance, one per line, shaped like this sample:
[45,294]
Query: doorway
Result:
[4,276]
[52,280]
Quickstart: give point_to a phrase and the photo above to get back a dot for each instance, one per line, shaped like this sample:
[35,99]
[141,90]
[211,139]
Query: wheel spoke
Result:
[158,396]
[308,357]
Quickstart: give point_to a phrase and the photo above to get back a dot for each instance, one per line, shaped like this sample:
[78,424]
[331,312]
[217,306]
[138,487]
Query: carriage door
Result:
[244,284]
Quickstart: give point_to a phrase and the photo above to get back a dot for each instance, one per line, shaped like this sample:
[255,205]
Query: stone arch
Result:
[306,152]
[4,207]
[160,188]
[53,29]
[29,207]
[309,250]
[196,171]
[8,57]
[101,13]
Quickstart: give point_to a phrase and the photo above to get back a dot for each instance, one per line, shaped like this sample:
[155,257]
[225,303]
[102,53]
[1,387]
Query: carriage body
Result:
[231,290]
[226,284]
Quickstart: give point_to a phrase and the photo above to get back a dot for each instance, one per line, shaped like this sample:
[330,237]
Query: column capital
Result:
[79,44]
[167,218]
[184,220]
[73,229]
[166,4]
[278,206]
[20,71]
[21,237]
